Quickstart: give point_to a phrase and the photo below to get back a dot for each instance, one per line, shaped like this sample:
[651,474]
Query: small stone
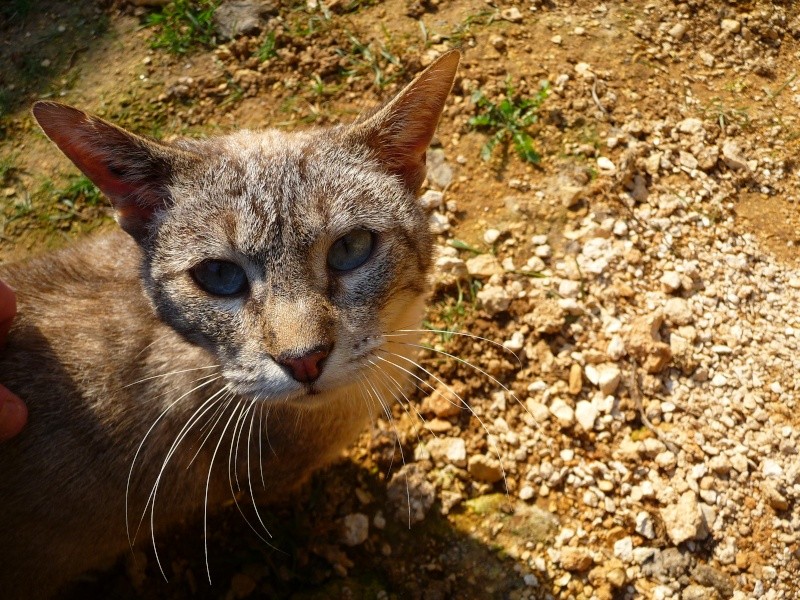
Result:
[449,450]
[484,266]
[678,311]
[512,14]
[563,412]
[644,525]
[556,39]
[707,58]
[677,31]
[586,414]
[499,44]
[526,493]
[439,172]
[575,379]
[431,199]
[616,348]
[242,17]
[605,164]
[776,500]
[771,468]
[485,468]
[644,342]
[732,157]
[410,484]
[731,25]
[494,299]
[576,559]
[623,549]
[355,529]
[438,223]
[490,236]
[671,281]
[516,343]
[683,520]
[547,317]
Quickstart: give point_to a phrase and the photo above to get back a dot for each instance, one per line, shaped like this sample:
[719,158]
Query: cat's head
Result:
[291,257]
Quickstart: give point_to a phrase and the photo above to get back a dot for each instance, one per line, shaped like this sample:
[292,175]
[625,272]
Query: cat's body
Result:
[244,331]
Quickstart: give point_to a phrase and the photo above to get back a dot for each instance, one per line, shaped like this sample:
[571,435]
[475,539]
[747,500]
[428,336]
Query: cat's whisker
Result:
[233,461]
[151,501]
[391,420]
[365,398]
[452,391]
[402,332]
[153,343]
[249,469]
[161,375]
[408,402]
[141,445]
[208,485]
[260,435]
[211,424]
[491,378]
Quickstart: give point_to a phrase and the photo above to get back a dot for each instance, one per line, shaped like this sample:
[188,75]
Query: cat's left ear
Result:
[133,171]
[399,133]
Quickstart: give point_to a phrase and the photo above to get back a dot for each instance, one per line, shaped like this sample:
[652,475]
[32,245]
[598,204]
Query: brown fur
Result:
[113,335]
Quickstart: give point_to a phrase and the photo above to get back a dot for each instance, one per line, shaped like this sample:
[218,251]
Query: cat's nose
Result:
[307,367]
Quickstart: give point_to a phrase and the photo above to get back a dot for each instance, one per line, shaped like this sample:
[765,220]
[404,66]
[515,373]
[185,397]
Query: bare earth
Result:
[643,442]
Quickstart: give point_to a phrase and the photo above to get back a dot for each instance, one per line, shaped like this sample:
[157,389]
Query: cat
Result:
[239,331]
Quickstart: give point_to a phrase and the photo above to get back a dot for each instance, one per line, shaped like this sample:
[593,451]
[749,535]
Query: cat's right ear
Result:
[132,171]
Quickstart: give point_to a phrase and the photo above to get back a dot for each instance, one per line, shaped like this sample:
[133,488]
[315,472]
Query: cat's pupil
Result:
[220,277]
[351,250]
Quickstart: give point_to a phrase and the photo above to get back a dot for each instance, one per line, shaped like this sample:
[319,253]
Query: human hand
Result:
[13,412]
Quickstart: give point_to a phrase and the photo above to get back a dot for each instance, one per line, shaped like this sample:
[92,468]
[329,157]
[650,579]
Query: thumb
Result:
[13,414]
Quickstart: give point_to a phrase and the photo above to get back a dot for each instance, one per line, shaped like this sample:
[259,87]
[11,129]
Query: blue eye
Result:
[220,278]
[351,250]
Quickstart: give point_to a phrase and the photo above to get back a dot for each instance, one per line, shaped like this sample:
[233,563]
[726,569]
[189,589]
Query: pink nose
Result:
[306,368]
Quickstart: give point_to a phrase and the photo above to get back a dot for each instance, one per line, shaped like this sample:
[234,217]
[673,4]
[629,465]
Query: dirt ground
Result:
[621,76]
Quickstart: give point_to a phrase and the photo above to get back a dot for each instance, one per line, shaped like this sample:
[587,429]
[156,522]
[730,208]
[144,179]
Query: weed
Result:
[361,57]
[8,167]
[461,245]
[508,121]
[451,312]
[463,31]
[268,48]
[184,24]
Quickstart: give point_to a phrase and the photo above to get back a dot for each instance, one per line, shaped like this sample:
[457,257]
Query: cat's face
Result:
[320,251]
[294,258]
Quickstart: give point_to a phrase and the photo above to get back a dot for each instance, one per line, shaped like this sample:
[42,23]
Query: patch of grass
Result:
[8,166]
[268,48]
[508,121]
[463,31]
[452,312]
[184,24]
[376,58]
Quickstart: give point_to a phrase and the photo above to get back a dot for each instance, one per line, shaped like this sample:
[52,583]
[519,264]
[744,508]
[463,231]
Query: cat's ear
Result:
[399,133]
[131,170]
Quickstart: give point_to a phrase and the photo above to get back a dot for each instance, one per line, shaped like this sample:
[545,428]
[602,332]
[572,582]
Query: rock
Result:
[576,559]
[448,450]
[526,493]
[678,311]
[586,415]
[516,343]
[442,402]
[490,236]
[667,565]
[708,576]
[688,160]
[439,171]
[431,199]
[494,299]
[616,348]
[606,377]
[484,266]
[563,412]
[485,468]
[512,14]
[691,126]
[438,223]
[671,281]
[775,499]
[731,25]
[242,17]
[644,342]
[354,529]
[732,157]
[623,549]
[644,525]
[452,267]
[547,316]
[575,379]
[707,58]
[556,39]
[677,31]
[409,483]
[605,164]
[683,520]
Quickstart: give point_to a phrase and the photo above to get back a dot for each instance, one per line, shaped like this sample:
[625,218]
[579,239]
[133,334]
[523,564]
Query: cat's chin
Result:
[307,396]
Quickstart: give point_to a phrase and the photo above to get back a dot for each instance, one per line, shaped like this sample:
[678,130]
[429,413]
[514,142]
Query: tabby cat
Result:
[258,304]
